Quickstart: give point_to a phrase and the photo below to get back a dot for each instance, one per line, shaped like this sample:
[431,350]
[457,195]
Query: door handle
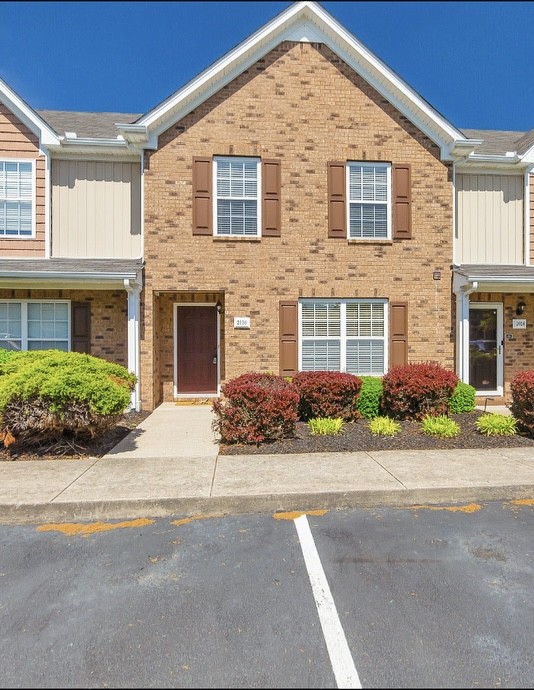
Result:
[214,359]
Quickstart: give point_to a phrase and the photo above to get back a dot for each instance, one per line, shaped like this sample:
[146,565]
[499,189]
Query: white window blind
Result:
[369,193]
[34,325]
[344,335]
[237,204]
[16,198]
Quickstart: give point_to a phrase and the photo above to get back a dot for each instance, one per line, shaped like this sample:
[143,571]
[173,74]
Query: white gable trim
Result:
[27,115]
[308,21]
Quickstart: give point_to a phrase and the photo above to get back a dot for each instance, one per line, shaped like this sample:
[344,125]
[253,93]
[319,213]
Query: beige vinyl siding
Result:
[489,219]
[18,142]
[96,209]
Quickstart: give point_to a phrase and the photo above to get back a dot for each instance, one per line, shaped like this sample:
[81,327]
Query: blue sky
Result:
[471,60]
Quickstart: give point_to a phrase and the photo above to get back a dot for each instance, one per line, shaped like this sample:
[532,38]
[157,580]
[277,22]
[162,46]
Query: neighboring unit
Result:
[296,206]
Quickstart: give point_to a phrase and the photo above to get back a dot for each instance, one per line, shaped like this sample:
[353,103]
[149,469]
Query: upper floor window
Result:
[34,325]
[369,195]
[16,198]
[237,201]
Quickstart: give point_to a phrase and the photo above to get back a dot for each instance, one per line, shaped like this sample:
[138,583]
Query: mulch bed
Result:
[71,449]
[356,436]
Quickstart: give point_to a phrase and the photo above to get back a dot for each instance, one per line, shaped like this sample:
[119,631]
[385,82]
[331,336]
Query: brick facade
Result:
[302,105]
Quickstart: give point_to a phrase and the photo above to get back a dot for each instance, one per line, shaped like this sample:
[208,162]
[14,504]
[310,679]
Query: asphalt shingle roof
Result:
[91,125]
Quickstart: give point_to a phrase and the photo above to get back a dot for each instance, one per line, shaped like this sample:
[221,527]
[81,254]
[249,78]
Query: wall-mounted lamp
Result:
[520,308]
[219,307]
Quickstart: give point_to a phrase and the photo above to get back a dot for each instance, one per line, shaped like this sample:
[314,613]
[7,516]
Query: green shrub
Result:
[384,426]
[440,426]
[370,397]
[325,426]
[492,424]
[462,399]
[47,394]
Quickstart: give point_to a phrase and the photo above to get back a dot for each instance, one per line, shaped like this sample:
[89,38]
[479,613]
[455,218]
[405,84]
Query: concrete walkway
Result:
[170,465]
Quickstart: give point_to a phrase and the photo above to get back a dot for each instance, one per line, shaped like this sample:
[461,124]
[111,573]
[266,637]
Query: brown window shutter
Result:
[80,326]
[337,203]
[288,338]
[271,211]
[398,333]
[402,202]
[202,183]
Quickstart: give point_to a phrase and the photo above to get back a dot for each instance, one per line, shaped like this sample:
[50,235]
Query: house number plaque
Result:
[519,323]
[241,321]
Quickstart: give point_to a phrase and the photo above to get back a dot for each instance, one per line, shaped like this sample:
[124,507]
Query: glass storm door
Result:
[485,347]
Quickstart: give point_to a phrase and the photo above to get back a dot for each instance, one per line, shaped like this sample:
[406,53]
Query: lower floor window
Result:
[34,325]
[343,335]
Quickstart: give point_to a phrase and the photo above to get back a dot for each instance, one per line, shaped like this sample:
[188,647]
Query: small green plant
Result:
[440,426]
[462,399]
[325,426]
[492,424]
[384,426]
[368,403]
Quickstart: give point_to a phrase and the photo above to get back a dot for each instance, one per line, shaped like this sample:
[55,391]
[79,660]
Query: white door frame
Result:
[498,306]
[175,342]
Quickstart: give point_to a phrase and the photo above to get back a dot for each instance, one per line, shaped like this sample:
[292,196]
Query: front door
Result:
[196,351]
[485,347]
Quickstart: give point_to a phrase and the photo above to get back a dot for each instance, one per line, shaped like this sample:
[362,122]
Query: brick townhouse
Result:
[296,206]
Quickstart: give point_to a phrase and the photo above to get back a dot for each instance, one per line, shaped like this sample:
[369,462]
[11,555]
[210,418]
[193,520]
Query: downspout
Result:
[462,339]
[134,308]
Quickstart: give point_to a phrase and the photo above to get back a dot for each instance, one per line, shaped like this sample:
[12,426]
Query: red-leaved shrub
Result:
[522,407]
[327,394]
[256,408]
[414,390]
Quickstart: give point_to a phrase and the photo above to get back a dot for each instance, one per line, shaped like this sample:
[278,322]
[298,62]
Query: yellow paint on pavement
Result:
[293,515]
[471,508]
[187,520]
[84,530]
[523,502]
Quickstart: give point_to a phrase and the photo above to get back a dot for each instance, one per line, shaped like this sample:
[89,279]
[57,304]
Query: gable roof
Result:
[301,22]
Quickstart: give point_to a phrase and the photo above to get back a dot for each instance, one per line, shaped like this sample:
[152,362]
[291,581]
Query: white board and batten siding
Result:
[96,209]
[489,219]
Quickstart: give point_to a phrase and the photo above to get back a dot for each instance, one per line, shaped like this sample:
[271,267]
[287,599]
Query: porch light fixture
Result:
[219,307]
[520,308]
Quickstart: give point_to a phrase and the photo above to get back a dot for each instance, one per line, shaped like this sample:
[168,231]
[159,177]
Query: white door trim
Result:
[175,344]
[500,339]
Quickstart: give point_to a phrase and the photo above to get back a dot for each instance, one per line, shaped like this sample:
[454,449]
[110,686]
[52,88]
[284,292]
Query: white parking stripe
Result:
[336,642]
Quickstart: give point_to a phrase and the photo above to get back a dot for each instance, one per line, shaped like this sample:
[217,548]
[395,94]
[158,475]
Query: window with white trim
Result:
[343,335]
[369,195]
[237,203]
[16,198]
[34,325]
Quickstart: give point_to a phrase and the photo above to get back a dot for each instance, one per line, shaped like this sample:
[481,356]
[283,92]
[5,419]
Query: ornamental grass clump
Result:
[325,426]
[441,426]
[48,396]
[384,426]
[492,424]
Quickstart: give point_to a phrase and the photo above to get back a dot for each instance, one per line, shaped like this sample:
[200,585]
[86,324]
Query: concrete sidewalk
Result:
[169,465]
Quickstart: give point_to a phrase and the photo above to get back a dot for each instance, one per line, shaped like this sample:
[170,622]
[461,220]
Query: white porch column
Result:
[134,309]
[462,330]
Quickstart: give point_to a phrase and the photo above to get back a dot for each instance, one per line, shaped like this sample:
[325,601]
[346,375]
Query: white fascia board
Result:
[528,156]
[27,115]
[88,146]
[306,21]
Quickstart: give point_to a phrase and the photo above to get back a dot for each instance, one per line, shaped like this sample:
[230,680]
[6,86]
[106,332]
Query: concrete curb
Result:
[17,514]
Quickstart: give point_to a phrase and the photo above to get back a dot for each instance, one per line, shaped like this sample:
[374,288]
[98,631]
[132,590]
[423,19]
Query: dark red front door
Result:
[197,349]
